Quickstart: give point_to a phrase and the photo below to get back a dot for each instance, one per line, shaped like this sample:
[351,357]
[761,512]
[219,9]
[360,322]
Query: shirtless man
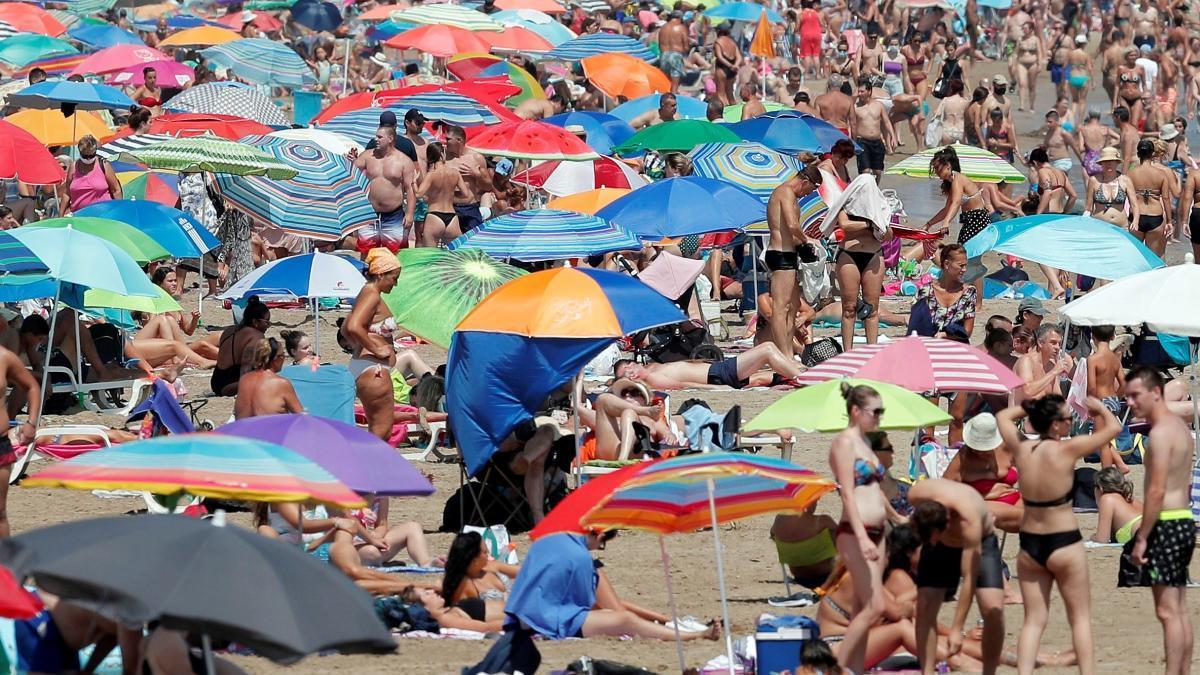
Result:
[1166,538]
[752,105]
[392,188]
[668,104]
[477,180]
[1057,143]
[997,98]
[872,129]
[1043,365]
[672,47]
[414,124]
[1092,137]
[1128,135]
[537,109]
[958,542]
[1105,383]
[783,252]
[727,58]
[13,372]
[803,103]
[870,56]
[1110,59]
[1145,24]
[261,390]
[792,85]
[834,106]
[735,372]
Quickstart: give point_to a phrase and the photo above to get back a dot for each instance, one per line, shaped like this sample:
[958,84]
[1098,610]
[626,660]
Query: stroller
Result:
[675,277]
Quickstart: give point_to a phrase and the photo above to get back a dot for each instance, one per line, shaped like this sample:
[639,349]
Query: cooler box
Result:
[778,641]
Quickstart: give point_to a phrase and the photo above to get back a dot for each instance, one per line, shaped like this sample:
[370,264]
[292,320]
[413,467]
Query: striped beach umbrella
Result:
[112,149]
[16,258]
[750,165]
[212,154]
[539,22]
[7,30]
[326,200]
[596,44]
[242,102]
[446,106]
[547,234]
[977,164]
[262,62]
[447,15]
[567,178]
[357,125]
[31,18]
[812,212]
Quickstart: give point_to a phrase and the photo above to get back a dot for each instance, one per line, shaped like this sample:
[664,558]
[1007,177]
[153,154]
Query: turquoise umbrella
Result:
[25,48]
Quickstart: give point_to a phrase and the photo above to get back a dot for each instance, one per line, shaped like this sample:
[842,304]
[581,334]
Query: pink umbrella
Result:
[561,178]
[671,275]
[169,73]
[117,58]
[920,364]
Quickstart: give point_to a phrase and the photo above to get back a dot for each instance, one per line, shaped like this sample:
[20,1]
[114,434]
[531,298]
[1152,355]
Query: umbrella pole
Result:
[317,327]
[210,668]
[49,347]
[754,277]
[576,395]
[662,547]
[712,512]
[1193,346]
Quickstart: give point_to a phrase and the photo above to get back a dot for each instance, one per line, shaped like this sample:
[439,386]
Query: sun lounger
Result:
[45,445]
[756,442]
[87,389]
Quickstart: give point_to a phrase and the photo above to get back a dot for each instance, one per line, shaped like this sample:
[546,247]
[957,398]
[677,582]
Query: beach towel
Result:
[556,588]
[1077,396]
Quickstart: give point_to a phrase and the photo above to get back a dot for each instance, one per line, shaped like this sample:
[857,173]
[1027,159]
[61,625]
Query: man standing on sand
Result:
[12,371]
[834,106]
[785,248]
[477,180]
[392,192]
[1128,133]
[871,128]
[1166,538]
[672,47]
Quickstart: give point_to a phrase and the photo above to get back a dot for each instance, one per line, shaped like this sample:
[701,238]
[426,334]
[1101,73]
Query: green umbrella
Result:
[820,407]
[212,154]
[21,50]
[437,288]
[976,163]
[163,302]
[128,238]
[733,113]
[677,136]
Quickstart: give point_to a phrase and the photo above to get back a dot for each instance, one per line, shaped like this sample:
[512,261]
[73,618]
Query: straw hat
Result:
[1109,154]
[981,434]
[624,384]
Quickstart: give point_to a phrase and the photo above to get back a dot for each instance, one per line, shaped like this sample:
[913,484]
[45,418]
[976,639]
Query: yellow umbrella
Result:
[200,36]
[50,127]
[155,11]
[588,202]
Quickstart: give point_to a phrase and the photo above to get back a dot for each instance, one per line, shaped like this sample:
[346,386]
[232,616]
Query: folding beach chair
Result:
[327,391]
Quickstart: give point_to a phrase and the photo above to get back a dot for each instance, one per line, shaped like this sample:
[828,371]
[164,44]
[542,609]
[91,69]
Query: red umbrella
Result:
[31,19]
[25,158]
[467,66]
[261,20]
[439,40]
[516,39]
[15,601]
[527,139]
[197,124]
[566,515]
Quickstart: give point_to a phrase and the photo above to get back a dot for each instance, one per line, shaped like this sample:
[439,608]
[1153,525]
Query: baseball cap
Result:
[387,118]
[999,81]
[1032,305]
[1146,48]
[504,167]
[414,115]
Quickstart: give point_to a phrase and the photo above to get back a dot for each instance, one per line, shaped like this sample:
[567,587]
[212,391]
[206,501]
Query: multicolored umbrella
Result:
[547,234]
[26,48]
[561,178]
[117,58]
[326,200]
[528,139]
[174,230]
[262,62]
[820,407]
[596,44]
[7,30]
[24,157]
[310,275]
[677,207]
[539,22]
[212,154]
[519,77]
[161,187]
[676,136]
[589,202]
[447,15]
[687,108]
[565,516]
[437,288]
[30,18]
[51,127]
[201,36]
[603,131]
[17,259]
[448,107]
[439,40]
[201,464]
[169,73]
[326,140]
[977,164]
[137,244]
[812,213]
[217,98]
[750,165]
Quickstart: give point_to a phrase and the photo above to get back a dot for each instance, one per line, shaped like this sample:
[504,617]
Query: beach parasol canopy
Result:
[437,288]
[201,36]
[785,134]
[603,131]
[184,125]
[676,207]
[311,275]
[825,133]
[319,16]
[590,201]
[263,21]
[25,158]
[749,12]
[30,18]
[528,139]
[100,35]
[1056,240]
[137,244]
[212,154]
[596,44]
[539,22]
[455,16]
[516,39]
[170,73]
[676,136]
[671,275]
[439,40]
[84,259]
[561,179]
[215,98]
[753,166]
[1166,299]
[623,76]
[15,601]
[977,164]
[25,48]
[261,61]
[536,235]
[176,570]
[446,106]
[733,113]
[175,230]
[119,57]
[820,407]
[52,128]
[328,141]
[160,187]
[163,302]
[687,108]
[565,515]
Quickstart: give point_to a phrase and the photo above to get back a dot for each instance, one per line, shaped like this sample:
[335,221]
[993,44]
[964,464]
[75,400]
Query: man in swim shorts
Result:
[672,45]
[735,372]
[392,192]
[871,128]
[1166,539]
[785,247]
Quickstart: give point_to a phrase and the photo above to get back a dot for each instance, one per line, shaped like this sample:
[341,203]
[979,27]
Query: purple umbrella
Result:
[355,457]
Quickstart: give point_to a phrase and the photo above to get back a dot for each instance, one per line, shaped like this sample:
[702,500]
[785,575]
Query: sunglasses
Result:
[877,412]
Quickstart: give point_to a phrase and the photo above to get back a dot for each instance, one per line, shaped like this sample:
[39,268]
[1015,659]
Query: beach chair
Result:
[45,445]
[160,415]
[327,391]
[438,448]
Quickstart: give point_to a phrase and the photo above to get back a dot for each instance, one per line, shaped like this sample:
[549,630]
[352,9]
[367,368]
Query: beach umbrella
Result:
[1166,299]
[177,570]
[262,62]
[17,259]
[174,230]
[825,133]
[445,106]
[137,244]
[267,23]
[381,12]
[319,16]
[354,456]
[84,95]
[603,131]
[25,158]
[30,18]
[589,202]
[113,148]
[544,6]
[170,73]
[439,40]
[100,35]
[560,178]
[688,108]
[596,44]
[919,364]
[565,515]
[516,39]
[358,125]
[184,125]
[326,200]
[83,259]
[676,136]
[820,407]
[163,302]
[977,164]
[212,154]
[154,186]
[751,165]
[677,207]
[539,22]
[213,98]
[733,113]
[528,139]
[454,16]
[26,48]
[692,492]
[385,30]
[785,134]
[311,275]
[15,601]
[620,75]
[749,12]
[547,234]
[1056,240]
[528,84]
[492,90]
[201,36]
[176,21]
[51,127]
[328,141]
[7,30]
[119,57]
[438,287]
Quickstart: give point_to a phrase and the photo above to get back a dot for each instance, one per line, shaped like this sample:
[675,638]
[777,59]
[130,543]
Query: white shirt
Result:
[1151,69]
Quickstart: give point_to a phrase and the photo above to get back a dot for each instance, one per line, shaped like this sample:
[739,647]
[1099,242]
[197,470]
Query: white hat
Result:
[980,433]
[1168,132]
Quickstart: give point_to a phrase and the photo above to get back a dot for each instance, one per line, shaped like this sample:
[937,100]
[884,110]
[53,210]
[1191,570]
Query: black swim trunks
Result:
[1169,551]
[725,373]
[469,216]
[872,155]
[941,566]
[781,261]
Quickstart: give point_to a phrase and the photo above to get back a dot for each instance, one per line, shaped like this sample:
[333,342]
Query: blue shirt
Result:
[556,587]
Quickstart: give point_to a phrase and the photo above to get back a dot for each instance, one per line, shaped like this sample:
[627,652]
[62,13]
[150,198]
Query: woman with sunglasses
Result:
[865,510]
[1051,545]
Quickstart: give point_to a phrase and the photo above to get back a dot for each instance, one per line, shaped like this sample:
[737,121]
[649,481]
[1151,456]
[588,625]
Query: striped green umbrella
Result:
[139,245]
[26,48]
[212,154]
[447,15]
[977,164]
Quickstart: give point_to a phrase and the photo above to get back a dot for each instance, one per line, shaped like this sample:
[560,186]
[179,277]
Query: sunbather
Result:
[256,319]
[407,536]
[181,329]
[448,616]
[533,445]
[156,342]
[261,391]
[96,369]
[474,581]
[620,418]
[805,545]
[299,347]
[51,641]
[735,372]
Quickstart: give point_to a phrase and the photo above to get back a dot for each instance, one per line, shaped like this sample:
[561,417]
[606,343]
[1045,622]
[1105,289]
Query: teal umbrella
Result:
[262,62]
[21,50]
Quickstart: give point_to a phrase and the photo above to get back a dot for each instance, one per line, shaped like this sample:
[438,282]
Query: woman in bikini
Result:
[437,188]
[1120,513]
[727,58]
[859,269]
[1051,547]
[374,355]
[965,199]
[256,319]
[990,470]
[473,581]
[1189,209]
[1107,194]
[1152,189]
[916,64]
[1028,58]
[1055,194]
[1129,87]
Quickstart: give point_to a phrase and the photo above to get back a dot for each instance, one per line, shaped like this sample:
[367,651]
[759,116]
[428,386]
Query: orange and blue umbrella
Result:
[547,234]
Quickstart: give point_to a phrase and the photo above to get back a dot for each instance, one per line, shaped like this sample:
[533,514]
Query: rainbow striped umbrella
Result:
[751,165]
[202,464]
[326,200]
[977,164]
[547,234]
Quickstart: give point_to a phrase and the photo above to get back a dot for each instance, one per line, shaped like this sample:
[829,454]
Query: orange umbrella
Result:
[588,202]
[439,40]
[155,11]
[51,128]
[762,44]
[547,6]
[516,39]
[618,74]
[29,18]
[382,12]
[200,36]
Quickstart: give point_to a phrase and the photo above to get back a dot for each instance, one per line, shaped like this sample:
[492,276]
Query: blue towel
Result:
[556,587]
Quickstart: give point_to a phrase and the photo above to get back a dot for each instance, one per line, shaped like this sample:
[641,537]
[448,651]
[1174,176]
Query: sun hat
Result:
[1110,154]
[624,384]
[999,81]
[981,434]
[1168,132]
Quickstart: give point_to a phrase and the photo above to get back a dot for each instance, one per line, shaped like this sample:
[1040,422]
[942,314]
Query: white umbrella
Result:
[329,141]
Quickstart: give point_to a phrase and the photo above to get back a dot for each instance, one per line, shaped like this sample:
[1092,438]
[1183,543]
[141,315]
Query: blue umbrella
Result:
[1078,244]
[742,11]
[311,275]
[604,131]
[262,62]
[785,134]
[689,108]
[16,258]
[85,96]
[385,30]
[599,43]
[446,106]
[677,207]
[547,234]
[750,165]
[539,22]
[175,22]
[101,36]
[173,229]
[826,133]
[317,15]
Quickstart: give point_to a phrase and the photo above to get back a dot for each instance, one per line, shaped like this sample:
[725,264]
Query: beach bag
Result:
[514,652]
[891,252]
[814,277]
[933,131]
[586,665]
[819,351]
[498,543]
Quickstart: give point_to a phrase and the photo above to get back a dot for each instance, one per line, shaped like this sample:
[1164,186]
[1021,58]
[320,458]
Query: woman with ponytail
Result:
[1120,513]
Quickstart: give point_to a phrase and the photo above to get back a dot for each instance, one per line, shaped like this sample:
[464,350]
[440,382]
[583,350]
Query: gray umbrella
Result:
[222,582]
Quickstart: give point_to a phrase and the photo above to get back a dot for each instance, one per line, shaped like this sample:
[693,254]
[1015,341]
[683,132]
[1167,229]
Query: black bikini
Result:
[1041,546]
[474,608]
[223,377]
[861,259]
[444,216]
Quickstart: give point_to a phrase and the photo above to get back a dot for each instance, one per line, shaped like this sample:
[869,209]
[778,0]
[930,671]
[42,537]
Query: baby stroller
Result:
[675,277]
